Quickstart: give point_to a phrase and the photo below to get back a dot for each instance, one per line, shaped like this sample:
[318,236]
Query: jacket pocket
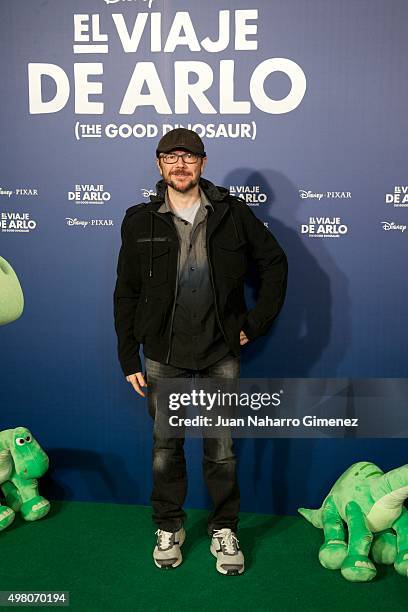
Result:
[154,260]
[231,258]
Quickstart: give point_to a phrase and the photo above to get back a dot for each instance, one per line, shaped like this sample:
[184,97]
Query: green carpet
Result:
[102,554]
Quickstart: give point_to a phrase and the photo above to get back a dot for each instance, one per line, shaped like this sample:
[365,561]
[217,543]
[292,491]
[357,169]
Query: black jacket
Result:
[147,273]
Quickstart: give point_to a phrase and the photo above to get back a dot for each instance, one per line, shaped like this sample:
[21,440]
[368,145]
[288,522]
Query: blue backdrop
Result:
[329,158]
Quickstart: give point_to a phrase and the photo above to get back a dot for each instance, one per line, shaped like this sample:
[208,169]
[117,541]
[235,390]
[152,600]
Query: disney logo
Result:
[71,221]
[5,192]
[309,194]
[149,2]
[147,192]
[393,226]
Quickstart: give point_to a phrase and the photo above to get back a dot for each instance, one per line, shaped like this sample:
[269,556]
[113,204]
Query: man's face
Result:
[181,176]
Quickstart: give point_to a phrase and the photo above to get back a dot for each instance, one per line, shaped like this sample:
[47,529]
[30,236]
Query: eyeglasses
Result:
[172,158]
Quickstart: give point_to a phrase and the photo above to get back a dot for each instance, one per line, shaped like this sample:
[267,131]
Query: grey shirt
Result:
[197,340]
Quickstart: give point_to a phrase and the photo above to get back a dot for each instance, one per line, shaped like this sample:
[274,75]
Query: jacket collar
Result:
[204,202]
[217,196]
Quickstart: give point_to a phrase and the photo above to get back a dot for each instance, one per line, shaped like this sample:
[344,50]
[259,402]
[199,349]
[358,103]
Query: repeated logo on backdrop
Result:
[88,223]
[321,225]
[317,226]
[11,221]
[399,197]
[392,226]
[22,221]
[324,227]
[251,194]
[89,194]
[17,222]
[21,192]
[328,195]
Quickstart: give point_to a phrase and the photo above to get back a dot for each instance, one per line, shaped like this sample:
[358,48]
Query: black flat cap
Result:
[181,138]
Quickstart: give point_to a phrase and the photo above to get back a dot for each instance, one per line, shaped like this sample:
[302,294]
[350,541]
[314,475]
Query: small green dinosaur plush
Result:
[11,294]
[22,461]
[370,502]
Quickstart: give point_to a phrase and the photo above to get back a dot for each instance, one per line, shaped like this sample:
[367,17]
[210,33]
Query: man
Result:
[180,293]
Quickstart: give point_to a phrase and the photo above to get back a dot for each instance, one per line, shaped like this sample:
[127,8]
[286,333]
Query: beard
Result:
[181,188]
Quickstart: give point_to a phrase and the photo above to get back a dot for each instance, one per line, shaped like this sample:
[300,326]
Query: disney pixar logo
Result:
[20,191]
[330,195]
[74,222]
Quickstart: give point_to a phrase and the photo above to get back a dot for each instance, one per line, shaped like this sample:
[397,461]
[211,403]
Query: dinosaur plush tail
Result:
[313,516]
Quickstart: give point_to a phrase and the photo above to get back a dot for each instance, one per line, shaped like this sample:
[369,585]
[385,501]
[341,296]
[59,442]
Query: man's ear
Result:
[203,163]
[158,166]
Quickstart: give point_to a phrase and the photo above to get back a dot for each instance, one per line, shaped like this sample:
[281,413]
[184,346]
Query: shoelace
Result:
[229,540]
[164,538]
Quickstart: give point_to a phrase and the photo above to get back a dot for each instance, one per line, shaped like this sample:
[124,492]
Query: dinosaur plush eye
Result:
[28,438]
[20,441]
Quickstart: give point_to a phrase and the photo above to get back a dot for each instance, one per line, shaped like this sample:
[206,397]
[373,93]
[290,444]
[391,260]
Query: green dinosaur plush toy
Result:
[22,461]
[11,295]
[372,505]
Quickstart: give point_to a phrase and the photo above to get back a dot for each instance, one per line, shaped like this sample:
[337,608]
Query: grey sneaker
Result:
[225,546]
[167,551]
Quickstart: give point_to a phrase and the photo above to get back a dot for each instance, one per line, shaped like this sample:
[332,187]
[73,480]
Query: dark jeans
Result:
[169,465]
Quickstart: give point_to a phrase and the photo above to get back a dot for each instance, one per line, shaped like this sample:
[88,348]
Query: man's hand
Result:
[137,381]
[242,338]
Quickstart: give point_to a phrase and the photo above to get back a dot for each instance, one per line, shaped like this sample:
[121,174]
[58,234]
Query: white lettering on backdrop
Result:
[194,78]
